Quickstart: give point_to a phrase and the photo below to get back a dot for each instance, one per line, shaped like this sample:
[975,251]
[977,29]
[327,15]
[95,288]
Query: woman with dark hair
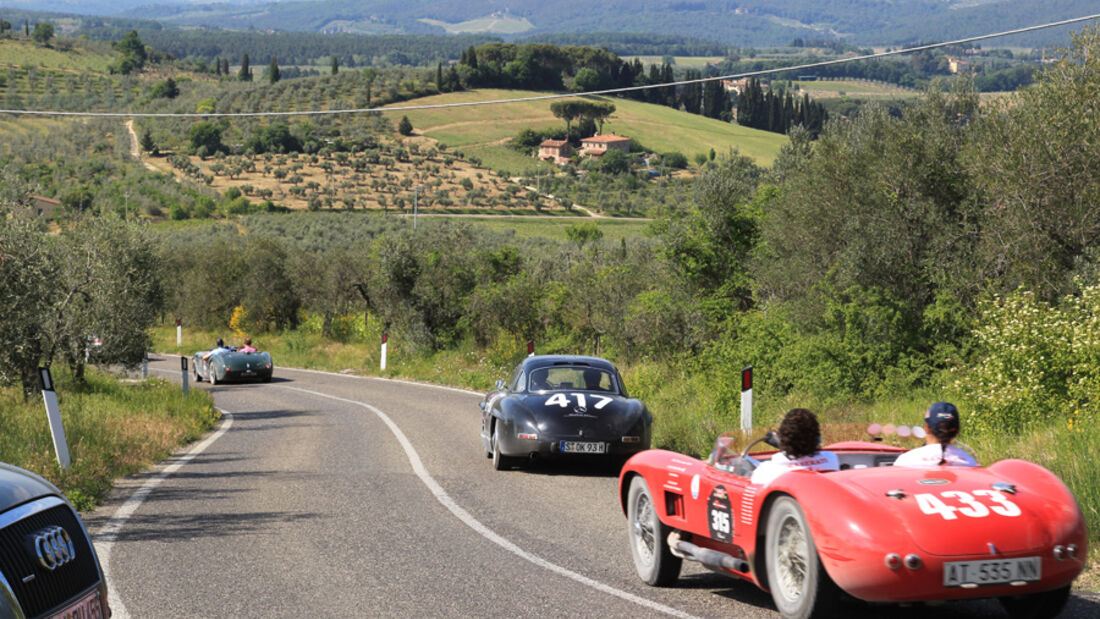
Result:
[941,425]
[799,443]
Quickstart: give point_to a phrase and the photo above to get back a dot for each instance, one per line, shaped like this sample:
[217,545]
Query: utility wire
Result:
[607,91]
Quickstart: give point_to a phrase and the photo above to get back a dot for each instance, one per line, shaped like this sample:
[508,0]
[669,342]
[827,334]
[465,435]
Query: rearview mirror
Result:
[500,384]
[772,438]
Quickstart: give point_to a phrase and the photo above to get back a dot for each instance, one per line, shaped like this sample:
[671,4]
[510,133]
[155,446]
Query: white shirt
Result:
[780,463]
[931,454]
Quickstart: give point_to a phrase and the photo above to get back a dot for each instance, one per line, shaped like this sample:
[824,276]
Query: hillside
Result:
[744,23]
[481,131]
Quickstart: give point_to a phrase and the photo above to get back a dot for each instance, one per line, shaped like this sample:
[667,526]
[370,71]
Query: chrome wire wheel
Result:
[800,586]
[641,528]
[653,560]
[791,558]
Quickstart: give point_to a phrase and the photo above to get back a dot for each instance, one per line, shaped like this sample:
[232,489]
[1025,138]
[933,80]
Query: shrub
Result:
[1033,361]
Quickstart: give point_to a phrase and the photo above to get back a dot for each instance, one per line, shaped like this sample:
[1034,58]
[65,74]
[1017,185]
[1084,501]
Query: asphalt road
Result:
[331,495]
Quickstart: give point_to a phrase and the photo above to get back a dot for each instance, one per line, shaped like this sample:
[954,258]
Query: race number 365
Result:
[950,504]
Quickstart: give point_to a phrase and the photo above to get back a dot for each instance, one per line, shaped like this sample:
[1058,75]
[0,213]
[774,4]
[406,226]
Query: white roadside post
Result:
[53,414]
[183,375]
[385,337]
[746,398]
[179,332]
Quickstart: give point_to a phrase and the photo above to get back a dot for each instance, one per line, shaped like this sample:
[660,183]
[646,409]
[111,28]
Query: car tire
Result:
[800,586]
[1043,605]
[211,373]
[198,377]
[501,462]
[653,559]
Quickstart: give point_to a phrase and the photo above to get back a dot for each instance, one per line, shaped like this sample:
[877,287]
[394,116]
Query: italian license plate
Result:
[89,607]
[577,447]
[991,572]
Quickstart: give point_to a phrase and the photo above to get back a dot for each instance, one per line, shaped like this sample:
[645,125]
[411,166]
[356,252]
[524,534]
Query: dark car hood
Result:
[18,486]
[599,412]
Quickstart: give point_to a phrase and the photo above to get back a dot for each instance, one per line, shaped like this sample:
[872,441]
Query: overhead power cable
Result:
[607,91]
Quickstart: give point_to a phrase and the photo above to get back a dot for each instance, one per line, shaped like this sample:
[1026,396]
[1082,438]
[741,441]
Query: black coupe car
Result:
[562,406]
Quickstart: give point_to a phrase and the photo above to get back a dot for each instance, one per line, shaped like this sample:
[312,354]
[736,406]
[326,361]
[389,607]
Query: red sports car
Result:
[878,533]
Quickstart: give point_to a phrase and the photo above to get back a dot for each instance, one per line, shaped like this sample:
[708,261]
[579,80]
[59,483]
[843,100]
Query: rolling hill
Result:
[741,22]
[481,131]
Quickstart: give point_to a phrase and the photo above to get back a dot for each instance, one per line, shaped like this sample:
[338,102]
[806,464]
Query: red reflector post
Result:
[746,379]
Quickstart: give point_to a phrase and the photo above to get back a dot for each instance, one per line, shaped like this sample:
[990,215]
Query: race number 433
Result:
[950,504]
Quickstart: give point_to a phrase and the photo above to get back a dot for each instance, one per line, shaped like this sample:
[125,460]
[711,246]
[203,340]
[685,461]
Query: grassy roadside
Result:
[114,428]
[688,413]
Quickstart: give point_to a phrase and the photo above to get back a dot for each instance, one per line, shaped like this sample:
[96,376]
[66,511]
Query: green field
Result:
[496,25]
[686,62]
[530,227]
[483,129]
[18,53]
[862,89]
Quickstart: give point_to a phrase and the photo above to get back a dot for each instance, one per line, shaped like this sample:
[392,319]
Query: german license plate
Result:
[577,447]
[89,607]
[991,572]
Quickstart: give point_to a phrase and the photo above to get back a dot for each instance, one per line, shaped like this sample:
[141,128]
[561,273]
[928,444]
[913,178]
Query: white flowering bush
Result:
[1034,362]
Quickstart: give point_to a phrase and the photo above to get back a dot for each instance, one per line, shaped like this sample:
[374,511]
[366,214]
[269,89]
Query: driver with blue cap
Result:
[941,424]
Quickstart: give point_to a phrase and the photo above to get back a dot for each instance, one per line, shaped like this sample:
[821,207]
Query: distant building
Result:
[558,151]
[955,65]
[597,145]
[45,207]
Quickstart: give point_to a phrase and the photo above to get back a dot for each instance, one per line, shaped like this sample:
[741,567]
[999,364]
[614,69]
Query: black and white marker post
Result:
[53,414]
[183,375]
[746,398]
[385,337]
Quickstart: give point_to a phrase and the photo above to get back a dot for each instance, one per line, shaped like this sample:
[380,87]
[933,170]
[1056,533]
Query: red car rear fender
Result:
[1064,515]
[848,525]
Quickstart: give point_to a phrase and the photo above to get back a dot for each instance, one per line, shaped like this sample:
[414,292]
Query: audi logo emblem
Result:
[54,547]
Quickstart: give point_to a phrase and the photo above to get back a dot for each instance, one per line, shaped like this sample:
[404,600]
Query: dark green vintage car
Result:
[232,365]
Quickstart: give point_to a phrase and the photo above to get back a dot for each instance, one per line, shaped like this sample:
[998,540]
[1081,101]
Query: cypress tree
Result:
[654,95]
[439,77]
[668,76]
[273,71]
[245,74]
[335,65]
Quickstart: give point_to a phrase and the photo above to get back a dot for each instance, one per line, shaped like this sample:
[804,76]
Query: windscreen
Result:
[572,377]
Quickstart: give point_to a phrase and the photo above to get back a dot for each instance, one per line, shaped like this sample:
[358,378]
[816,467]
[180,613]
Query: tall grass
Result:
[113,429]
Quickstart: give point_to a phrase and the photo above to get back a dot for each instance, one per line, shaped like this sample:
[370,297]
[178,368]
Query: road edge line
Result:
[468,519]
[107,534]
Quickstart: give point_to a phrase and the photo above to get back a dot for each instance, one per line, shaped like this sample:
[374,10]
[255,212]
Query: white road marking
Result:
[391,380]
[379,378]
[108,533]
[468,519]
